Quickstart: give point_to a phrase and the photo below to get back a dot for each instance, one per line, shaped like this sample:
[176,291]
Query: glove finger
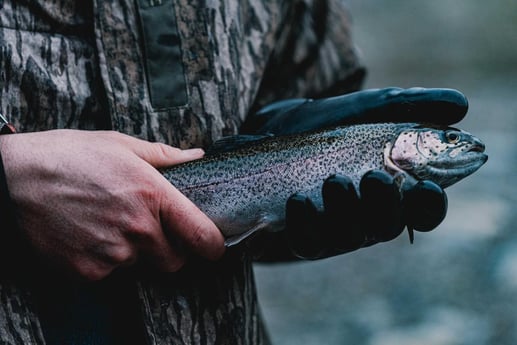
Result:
[435,106]
[302,232]
[341,214]
[381,206]
[438,106]
[278,112]
[425,205]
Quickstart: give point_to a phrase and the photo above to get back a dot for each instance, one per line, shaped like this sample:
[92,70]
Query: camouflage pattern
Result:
[86,65]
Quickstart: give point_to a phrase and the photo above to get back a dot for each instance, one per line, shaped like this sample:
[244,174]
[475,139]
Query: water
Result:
[457,284]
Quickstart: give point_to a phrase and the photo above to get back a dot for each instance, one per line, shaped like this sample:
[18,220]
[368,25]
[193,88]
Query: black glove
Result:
[437,106]
[348,222]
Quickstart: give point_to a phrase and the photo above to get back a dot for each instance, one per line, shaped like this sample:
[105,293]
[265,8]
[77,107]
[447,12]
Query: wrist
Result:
[7,215]
[7,210]
[5,126]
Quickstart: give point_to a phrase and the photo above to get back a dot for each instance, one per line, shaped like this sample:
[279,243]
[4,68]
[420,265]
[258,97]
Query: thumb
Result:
[159,155]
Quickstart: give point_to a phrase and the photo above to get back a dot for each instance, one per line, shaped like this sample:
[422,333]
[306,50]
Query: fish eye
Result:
[452,137]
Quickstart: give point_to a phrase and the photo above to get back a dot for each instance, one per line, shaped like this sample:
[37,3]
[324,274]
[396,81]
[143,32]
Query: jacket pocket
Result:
[163,58]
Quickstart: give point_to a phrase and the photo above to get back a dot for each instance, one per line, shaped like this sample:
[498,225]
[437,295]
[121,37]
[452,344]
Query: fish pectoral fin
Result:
[411,234]
[234,240]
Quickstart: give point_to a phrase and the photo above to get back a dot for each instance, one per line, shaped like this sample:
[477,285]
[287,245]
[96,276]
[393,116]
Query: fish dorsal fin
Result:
[235,142]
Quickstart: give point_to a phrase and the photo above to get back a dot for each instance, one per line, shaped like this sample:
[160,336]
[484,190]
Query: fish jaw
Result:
[446,173]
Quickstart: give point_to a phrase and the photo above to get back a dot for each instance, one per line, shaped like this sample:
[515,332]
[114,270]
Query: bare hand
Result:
[93,201]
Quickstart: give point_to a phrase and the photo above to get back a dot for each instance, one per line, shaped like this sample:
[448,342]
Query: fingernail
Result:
[194,152]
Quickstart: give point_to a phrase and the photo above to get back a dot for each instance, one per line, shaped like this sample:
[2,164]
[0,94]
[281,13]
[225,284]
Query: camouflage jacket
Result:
[175,71]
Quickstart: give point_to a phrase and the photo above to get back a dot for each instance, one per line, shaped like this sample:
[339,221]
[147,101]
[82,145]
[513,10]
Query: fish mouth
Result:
[478,148]
[447,172]
[470,159]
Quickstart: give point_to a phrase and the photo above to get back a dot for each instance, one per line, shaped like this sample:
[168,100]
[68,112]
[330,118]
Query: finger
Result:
[438,106]
[163,253]
[302,233]
[87,268]
[279,111]
[339,194]
[184,220]
[425,205]
[159,155]
[341,205]
[382,207]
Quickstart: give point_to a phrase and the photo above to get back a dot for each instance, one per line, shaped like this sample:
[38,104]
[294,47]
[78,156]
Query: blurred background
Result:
[457,284]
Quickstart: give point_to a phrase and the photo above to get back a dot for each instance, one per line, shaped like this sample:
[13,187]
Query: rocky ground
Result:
[457,284]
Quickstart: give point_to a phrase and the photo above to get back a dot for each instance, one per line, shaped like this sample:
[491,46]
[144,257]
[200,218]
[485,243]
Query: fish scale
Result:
[245,189]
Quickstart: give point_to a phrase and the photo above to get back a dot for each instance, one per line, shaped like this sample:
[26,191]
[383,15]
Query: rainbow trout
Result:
[244,183]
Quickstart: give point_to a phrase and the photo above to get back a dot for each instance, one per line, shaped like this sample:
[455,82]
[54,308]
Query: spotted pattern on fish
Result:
[246,189]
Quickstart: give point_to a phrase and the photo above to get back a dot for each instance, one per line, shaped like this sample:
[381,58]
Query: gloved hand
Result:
[347,221]
[436,106]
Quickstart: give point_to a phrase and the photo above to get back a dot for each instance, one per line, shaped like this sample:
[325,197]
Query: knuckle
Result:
[115,135]
[144,233]
[90,271]
[175,265]
[164,150]
[140,227]
[200,235]
[109,135]
[208,240]
[122,255]
[197,235]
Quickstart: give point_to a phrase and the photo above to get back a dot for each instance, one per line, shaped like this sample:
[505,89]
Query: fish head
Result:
[442,155]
